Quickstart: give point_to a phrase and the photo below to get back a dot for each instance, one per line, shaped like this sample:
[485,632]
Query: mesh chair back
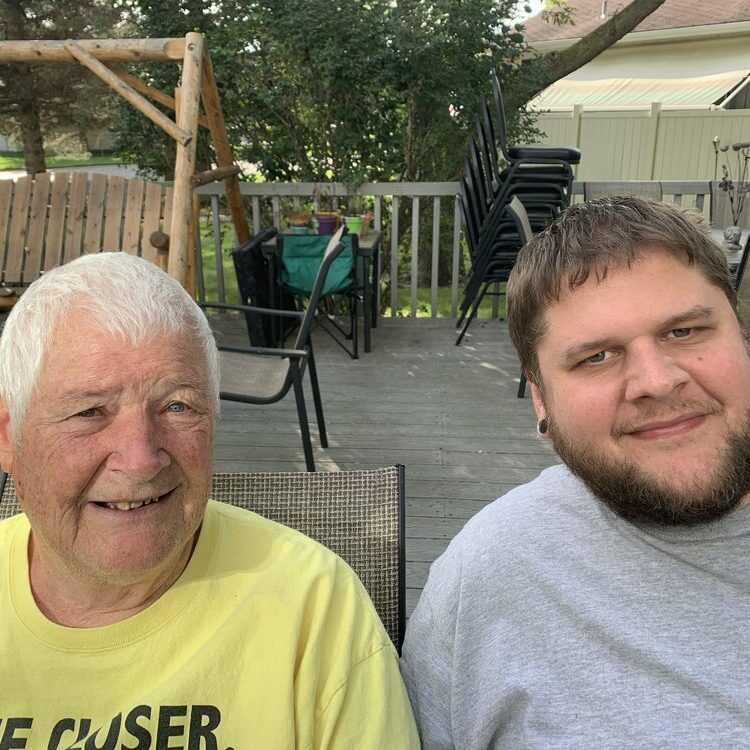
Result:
[357,514]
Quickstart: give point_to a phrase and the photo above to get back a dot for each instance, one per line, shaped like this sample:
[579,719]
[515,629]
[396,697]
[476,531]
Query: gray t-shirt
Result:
[549,622]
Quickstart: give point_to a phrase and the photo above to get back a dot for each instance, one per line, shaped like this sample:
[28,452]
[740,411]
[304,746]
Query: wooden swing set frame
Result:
[197,84]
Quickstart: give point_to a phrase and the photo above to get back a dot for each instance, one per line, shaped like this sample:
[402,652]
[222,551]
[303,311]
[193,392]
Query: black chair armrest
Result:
[249,308]
[260,238]
[292,353]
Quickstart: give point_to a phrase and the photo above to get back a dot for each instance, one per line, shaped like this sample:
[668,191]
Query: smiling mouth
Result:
[669,427]
[131,505]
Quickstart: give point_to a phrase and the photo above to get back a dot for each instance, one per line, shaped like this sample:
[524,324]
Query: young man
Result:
[134,612]
[606,603]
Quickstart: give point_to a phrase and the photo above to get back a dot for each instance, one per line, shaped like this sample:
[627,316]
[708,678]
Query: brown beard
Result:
[635,496]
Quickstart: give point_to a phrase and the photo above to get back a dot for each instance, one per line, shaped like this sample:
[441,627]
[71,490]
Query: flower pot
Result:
[298,219]
[355,224]
[327,223]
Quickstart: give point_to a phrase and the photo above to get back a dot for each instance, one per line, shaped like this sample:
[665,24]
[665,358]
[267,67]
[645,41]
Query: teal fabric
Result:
[302,257]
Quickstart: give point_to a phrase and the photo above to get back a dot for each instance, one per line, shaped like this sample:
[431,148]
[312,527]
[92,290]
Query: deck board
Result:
[449,414]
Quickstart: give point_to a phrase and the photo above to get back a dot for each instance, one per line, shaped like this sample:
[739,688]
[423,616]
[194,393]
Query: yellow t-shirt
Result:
[267,640]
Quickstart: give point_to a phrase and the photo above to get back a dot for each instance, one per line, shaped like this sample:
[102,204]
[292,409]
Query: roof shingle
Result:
[673,14]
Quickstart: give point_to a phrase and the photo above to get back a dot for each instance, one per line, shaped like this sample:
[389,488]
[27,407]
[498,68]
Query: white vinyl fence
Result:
[646,144]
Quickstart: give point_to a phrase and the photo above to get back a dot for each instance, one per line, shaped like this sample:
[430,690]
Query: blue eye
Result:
[88,413]
[681,333]
[598,357]
[176,407]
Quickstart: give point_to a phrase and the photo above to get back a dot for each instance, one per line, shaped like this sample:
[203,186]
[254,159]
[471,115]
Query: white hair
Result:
[121,294]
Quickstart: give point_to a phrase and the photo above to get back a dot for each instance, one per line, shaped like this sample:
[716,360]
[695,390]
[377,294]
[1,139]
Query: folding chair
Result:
[358,514]
[301,256]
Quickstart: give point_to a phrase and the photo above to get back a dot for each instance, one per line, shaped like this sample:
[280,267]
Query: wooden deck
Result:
[449,414]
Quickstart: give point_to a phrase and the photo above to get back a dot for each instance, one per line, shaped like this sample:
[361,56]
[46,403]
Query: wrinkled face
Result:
[113,462]
[645,382]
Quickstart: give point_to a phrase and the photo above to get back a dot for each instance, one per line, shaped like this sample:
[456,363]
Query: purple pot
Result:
[326,224]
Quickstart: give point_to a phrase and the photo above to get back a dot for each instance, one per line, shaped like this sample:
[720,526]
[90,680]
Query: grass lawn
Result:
[14,160]
[231,293]
[424,304]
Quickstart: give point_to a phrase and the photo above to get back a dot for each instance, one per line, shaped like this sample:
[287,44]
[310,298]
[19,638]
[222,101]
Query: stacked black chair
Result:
[540,177]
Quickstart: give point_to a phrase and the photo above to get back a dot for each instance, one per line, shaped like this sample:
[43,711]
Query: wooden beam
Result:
[156,94]
[127,92]
[213,175]
[109,50]
[224,156]
[187,119]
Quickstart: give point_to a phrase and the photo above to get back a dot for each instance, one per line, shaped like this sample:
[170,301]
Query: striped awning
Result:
[688,74]
[696,92]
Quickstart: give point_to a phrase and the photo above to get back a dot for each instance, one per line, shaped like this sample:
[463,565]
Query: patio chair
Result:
[516,153]
[497,267]
[264,375]
[540,177]
[358,514]
[517,210]
[301,256]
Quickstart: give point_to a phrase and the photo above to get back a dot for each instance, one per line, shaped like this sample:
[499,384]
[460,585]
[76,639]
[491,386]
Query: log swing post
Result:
[197,84]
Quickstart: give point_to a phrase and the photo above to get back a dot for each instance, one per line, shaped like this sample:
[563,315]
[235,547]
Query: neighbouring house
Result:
[649,106]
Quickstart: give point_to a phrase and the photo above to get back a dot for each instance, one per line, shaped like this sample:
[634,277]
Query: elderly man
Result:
[133,612]
[606,604]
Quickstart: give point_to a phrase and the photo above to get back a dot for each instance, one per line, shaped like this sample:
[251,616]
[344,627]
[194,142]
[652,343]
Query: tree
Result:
[358,91]
[47,97]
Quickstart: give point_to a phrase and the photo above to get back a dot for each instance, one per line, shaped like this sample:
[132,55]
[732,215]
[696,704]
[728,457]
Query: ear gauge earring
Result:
[541,427]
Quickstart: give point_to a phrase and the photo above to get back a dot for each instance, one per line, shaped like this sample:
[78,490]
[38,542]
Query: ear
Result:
[538,399]
[6,441]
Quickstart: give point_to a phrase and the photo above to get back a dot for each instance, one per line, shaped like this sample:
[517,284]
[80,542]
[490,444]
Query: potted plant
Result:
[299,222]
[326,222]
[737,188]
[354,217]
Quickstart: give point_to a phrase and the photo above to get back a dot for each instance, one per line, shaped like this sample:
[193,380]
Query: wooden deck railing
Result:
[438,200]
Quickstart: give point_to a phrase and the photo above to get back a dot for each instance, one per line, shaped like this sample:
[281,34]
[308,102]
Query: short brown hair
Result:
[593,237]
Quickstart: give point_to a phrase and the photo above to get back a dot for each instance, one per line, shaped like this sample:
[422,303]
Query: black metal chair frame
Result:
[300,357]
[540,177]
